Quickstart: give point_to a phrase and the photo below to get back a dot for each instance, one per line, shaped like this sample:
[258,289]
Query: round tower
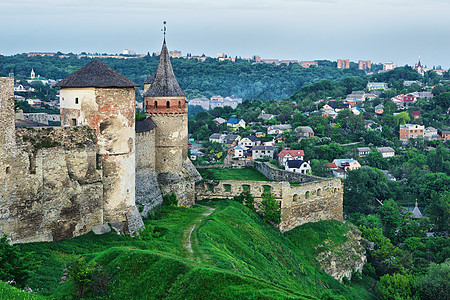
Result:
[165,103]
[7,126]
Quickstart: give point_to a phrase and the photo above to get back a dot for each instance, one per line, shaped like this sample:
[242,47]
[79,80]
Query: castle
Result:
[101,166]
[104,167]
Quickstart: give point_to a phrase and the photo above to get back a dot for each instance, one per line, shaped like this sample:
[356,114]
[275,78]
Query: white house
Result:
[386,151]
[287,154]
[239,151]
[250,141]
[277,129]
[260,152]
[297,166]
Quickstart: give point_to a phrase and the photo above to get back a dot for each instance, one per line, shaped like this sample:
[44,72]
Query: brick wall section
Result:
[307,202]
[165,105]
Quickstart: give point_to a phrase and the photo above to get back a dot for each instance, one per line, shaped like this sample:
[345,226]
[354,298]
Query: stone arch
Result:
[319,192]
[295,198]
[307,194]
[335,190]
[156,104]
[8,170]
[227,188]
[179,104]
[267,189]
[245,188]
[168,104]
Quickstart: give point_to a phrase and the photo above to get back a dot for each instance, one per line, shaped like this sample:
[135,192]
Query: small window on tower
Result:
[168,104]
[156,104]
[179,104]
[76,100]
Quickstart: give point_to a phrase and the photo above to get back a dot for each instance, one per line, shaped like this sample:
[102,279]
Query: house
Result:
[287,154]
[250,141]
[260,134]
[203,102]
[297,166]
[409,131]
[376,86]
[278,129]
[262,152]
[35,102]
[219,120]
[329,113]
[347,164]
[363,151]
[232,140]
[265,117]
[339,173]
[411,82]
[235,123]
[217,137]
[446,136]
[356,110]
[379,109]
[305,131]
[239,151]
[386,151]
[431,133]
[416,114]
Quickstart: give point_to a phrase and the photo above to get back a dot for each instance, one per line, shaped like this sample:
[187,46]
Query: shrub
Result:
[270,208]
[87,277]
[170,199]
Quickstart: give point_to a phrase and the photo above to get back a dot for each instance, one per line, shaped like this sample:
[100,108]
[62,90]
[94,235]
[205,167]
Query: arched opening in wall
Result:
[307,195]
[156,104]
[8,170]
[168,104]
[227,188]
[319,192]
[335,190]
[267,189]
[210,187]
[295,198]
[246,188]
[179,104]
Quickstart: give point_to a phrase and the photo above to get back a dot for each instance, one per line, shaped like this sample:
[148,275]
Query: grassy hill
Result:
[216,250]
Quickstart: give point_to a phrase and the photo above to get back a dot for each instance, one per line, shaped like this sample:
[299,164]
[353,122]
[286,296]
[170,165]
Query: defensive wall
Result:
[302,198]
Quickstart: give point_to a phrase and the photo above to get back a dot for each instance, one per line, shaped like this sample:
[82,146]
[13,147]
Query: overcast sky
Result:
[379,30]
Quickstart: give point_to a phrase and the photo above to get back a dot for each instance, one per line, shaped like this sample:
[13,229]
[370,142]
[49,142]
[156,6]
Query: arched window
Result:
[307,195]
[156,104]
[295,198]
[179,104]
[168,104]
[319,192]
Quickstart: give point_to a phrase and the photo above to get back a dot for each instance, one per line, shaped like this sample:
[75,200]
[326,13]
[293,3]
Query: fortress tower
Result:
[165,103]
[7,132]
[103,99]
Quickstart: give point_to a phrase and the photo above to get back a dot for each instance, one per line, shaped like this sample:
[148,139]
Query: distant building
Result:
[261,152]
[376,86]
[256,58]
[235,123]
[364,64]
[362,151]
[409,131]
[305,131]
[297,166]
[203,102]
[287,154]
[386,151]
[271,61]
[343,63]
[416,114]
[307,64]
[446,136]
[31,54]
[220,120]
[388,66]
[379,109]
[128,52]
[431,133]
[36,79]
[265,117]
[250,141]
[277,129]
[289,61]
[217,137]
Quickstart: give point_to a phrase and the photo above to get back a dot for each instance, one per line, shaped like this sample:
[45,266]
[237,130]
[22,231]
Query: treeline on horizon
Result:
[197,78]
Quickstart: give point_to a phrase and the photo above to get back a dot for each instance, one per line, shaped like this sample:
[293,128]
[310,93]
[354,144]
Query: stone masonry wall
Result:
[307,202]
[276,174]
[7,138]
[53,188]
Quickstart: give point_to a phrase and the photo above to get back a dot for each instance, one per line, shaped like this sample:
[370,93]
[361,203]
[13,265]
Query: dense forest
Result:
[197,78]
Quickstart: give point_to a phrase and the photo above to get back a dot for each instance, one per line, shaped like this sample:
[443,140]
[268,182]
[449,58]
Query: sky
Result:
[396,31]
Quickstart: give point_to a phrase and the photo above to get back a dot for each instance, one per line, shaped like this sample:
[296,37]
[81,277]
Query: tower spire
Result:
[164,30]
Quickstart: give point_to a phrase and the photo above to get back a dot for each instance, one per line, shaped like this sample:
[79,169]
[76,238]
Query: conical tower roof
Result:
[96,74]
[164,83]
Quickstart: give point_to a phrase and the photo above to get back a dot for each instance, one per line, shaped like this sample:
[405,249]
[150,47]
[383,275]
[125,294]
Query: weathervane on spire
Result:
[164,29]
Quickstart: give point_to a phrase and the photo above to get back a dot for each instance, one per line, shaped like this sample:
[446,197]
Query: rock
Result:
[101,229]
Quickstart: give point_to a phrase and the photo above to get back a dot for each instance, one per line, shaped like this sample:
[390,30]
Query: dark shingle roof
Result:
[96,74]
[150,79]
[164,83]
[295,163]
[144,124]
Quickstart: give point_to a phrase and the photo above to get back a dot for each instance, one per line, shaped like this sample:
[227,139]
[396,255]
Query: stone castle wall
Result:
[276,174]
[307,202]
[53,188]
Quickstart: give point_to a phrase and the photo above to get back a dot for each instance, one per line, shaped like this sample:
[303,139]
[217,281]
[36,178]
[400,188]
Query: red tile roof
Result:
[293,153]
[331,165]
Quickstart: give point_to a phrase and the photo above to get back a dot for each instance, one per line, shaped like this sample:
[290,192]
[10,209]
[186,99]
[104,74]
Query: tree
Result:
[87,277]
[402,118]
[390,217]
[396,286]
[361,189]
[439,211]
[270,208]
[436,283]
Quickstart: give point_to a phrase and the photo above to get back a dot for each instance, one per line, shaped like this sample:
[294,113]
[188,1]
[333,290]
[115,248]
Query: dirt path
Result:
[189,235]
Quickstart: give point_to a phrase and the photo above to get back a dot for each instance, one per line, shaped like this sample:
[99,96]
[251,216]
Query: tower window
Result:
[168,104]
[179,104]
[73,122]
[76,100]
[156,104]
[8,170]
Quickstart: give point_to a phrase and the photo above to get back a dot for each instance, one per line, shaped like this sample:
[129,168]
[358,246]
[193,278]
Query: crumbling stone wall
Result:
[276,174]
[302,203]
[53,188]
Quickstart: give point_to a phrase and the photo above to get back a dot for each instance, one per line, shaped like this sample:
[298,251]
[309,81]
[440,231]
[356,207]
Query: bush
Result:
[170,199]
[15,267]
[270,208]
[87,277]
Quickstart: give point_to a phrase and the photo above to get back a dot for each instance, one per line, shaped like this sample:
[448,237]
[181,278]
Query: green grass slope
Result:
[9,292]
[216,250]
